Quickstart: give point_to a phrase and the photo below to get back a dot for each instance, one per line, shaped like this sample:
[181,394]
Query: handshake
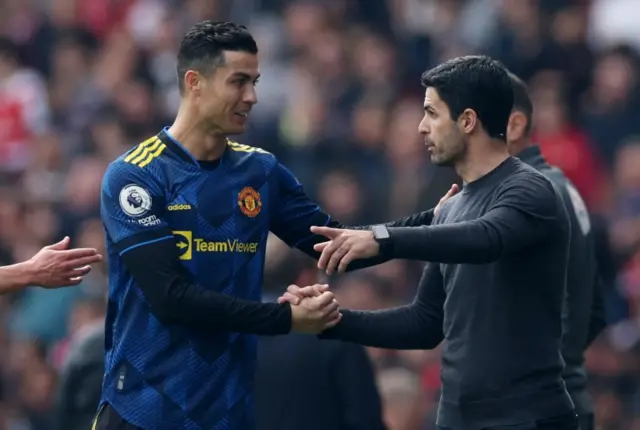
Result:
[313,308]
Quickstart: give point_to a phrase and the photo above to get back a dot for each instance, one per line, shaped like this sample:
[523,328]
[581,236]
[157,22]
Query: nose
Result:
[250,96]
[423,127]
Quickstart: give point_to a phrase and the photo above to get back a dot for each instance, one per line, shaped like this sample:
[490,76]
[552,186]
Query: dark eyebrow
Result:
[245,76]
[428,107]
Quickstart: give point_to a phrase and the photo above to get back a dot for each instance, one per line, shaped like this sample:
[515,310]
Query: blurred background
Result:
[340,102]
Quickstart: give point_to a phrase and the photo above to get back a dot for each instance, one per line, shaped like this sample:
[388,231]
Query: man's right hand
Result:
[315,311]
[56,266]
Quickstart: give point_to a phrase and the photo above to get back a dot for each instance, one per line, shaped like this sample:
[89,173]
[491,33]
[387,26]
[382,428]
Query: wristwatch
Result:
[382,236]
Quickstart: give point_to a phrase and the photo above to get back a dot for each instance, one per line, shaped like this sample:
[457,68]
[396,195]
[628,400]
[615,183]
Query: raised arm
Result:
[525,211]
[295,213]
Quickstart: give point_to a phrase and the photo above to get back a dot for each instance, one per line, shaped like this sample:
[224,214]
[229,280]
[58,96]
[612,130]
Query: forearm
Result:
[415,220]
[398,328]
[480,241]
[15,277]
[189,304]
[174,297]
[448,243]
[420,219]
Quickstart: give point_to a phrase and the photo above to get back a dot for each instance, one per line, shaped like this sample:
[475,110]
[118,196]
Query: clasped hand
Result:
[313,309]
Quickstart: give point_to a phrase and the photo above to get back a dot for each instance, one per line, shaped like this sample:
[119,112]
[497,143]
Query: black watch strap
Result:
[382,236]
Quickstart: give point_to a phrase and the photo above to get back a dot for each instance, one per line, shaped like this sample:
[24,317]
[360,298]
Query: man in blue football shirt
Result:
[187,215]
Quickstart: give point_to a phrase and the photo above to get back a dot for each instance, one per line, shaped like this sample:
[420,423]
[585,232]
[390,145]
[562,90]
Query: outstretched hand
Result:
[57,266]
[343,247]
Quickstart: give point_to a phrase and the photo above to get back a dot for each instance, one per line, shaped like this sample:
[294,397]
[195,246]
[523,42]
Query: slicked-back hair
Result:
[475,82]
[521,100]
[202,47]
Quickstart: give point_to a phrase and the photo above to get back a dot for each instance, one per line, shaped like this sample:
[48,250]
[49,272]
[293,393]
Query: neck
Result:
[518,146]
[201,142]
[483,160]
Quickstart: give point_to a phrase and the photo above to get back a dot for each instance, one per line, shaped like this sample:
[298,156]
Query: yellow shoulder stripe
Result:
[146,152]
[235,146]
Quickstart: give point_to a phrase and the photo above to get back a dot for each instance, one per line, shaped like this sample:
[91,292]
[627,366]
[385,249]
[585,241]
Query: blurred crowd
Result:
[81,81]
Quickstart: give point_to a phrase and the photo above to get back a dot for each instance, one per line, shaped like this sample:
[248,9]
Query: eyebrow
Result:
[245,76]
[428,107]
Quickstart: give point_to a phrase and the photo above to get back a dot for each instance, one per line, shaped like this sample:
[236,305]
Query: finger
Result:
[328,252]
[345,261]
[321,288]
[324,299]
[452,191]
[330,309]
[335,259]
[310,291]
[63,244]
[69,282]
[81,262]
[78,272]
[70,254]
[289,298]
[334,322]
[328,232]
[293,289]
[319,247]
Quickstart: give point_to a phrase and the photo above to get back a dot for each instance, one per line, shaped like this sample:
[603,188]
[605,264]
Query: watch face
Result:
[380,232]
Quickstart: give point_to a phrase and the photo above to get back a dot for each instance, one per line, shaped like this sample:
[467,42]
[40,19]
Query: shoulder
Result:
[142,161]
[139,164]
[529,181]
[530,191]
[243,152]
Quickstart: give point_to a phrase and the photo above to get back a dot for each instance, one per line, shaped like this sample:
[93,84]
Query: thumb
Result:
[63,244]
[327,232]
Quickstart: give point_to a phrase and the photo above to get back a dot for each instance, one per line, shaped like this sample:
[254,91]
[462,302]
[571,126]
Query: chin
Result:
[235,130]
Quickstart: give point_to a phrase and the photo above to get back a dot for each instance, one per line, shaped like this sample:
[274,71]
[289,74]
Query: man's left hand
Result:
[343,247]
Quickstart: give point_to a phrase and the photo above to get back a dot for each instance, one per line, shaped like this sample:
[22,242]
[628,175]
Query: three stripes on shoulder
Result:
[151,148]
[145,152]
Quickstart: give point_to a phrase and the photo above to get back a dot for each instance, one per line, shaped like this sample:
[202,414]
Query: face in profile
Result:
[444,141]
[226,98]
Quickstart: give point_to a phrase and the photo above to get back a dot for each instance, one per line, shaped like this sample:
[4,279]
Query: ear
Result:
[468,121]
[192,81]
[517,126]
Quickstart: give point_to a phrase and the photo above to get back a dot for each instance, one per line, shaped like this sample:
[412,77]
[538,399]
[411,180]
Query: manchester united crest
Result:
[249,202]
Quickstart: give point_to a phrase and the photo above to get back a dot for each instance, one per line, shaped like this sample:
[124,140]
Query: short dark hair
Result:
[202,47]
[475,82]
[521,100]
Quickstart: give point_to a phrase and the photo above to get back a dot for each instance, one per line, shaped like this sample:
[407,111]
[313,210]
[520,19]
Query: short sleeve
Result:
[132,207]
[294,212]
